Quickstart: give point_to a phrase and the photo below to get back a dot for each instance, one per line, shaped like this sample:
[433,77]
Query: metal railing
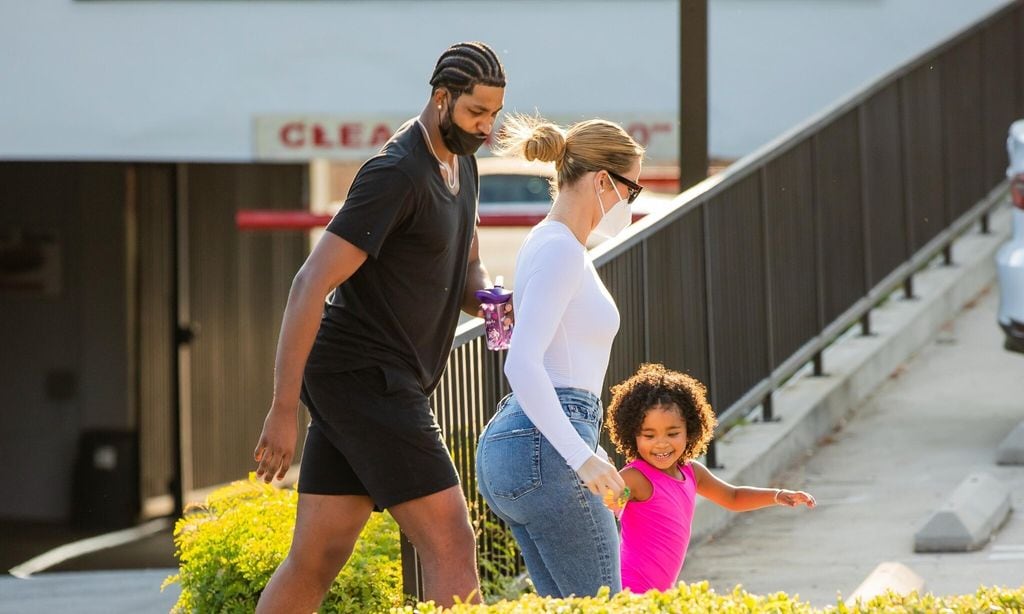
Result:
[749,275]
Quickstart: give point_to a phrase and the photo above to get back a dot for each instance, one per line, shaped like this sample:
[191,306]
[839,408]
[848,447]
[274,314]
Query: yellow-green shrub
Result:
[229,547]
[699,597]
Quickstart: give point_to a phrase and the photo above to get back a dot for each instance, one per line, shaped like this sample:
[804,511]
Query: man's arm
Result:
[476,278]
[332,261]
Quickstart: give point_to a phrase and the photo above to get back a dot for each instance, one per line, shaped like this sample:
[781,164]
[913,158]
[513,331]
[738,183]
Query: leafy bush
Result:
[699,597]
[230,546]
[502,571]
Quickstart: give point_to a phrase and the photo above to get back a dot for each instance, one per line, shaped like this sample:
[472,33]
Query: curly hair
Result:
[652,386]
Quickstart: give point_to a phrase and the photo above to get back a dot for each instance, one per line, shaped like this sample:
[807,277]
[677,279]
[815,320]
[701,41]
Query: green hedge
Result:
[229,547]
[699,597]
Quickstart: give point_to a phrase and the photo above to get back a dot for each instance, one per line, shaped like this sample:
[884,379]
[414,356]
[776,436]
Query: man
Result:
[402,258]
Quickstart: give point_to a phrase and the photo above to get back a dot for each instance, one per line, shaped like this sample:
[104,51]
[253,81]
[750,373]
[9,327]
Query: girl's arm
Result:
[744,498]
[640,488]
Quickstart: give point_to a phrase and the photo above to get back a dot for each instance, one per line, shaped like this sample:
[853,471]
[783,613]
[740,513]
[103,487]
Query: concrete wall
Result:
[63,357]
[166,79]
[773,63]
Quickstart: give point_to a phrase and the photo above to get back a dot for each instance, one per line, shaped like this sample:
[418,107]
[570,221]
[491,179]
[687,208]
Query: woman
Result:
[538,461]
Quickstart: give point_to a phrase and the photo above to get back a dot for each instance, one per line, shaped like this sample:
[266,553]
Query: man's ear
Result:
[438,96]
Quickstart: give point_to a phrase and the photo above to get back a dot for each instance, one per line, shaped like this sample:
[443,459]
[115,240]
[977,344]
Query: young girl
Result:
[661,421]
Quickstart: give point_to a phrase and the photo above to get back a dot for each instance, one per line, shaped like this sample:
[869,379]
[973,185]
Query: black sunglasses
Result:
[633,187]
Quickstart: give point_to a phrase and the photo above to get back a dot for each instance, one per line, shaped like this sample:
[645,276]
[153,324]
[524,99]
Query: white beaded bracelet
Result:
[778,491]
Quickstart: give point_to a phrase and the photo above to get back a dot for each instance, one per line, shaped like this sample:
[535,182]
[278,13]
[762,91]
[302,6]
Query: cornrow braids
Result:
[464,65]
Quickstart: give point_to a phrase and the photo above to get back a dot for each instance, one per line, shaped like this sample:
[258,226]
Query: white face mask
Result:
[614,220]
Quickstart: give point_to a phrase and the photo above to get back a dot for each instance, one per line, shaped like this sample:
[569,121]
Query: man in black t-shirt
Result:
[402,259]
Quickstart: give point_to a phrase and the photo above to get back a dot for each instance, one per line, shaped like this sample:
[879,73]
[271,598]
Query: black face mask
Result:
[457,140]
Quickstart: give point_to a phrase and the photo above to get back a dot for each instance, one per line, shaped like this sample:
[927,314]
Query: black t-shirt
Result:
[401,307]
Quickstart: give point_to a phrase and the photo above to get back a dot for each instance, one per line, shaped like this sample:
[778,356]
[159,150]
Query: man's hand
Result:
[276,446]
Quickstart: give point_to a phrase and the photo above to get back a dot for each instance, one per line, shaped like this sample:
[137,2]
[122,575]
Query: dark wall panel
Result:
[923,147]
[840,216]
[154,210]
[238,285]
[962,125]
[885,212]
[789,207]
[738,302]
[678,296]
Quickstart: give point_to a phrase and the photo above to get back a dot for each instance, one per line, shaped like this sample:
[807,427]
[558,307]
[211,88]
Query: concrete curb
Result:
[809,408]
[1011,450]
[967,520]
[888,576]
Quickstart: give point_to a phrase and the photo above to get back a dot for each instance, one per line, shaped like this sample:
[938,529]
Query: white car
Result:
[1010,258]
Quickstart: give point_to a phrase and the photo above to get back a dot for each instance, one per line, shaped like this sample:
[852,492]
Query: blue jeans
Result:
[568,538]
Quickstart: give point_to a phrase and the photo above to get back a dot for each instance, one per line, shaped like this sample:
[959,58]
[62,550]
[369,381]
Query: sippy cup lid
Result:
[494,295]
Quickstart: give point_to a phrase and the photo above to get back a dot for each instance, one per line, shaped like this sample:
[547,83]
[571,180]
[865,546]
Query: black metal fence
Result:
[753,272]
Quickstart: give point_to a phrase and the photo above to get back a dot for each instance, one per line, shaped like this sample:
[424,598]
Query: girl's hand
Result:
[616,504]
[793,498]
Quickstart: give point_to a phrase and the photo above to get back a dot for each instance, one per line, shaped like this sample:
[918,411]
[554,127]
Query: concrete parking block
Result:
[888,576]
[968,518]
[1011,450]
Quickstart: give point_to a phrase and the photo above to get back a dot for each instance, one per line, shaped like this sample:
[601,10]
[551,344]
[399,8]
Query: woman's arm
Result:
[551,276]
[552,272]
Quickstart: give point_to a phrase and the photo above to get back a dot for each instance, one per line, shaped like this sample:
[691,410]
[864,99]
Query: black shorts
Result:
[372,433]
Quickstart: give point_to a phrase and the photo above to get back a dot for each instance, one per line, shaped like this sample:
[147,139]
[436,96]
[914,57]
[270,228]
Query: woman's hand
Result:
[600,476]
[276,446]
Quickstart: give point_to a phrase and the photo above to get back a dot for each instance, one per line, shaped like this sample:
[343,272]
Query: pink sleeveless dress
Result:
[656,532]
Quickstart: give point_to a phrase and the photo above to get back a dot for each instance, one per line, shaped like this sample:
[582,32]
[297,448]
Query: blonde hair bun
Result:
[531,138]
[595,144]
[546,143]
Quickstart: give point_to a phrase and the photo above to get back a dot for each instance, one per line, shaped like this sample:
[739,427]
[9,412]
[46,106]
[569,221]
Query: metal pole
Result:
[693,92]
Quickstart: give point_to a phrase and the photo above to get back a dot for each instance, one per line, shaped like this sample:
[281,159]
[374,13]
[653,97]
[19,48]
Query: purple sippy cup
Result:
[492,303]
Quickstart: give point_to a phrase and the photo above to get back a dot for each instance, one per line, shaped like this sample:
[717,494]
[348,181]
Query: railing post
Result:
[865,324]
[712,456]
[412,574]
[767,409]
[819,365]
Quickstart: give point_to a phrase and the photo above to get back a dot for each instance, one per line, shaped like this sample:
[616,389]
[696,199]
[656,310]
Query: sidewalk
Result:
[88,592]
[877,477]
[880,475]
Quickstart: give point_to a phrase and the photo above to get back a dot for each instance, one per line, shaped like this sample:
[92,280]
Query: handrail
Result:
[840,211]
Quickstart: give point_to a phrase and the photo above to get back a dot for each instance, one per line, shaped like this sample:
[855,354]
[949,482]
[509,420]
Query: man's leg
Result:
[438,526]
[326,529]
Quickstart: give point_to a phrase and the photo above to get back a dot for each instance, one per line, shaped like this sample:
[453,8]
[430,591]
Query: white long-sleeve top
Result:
[565,322]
